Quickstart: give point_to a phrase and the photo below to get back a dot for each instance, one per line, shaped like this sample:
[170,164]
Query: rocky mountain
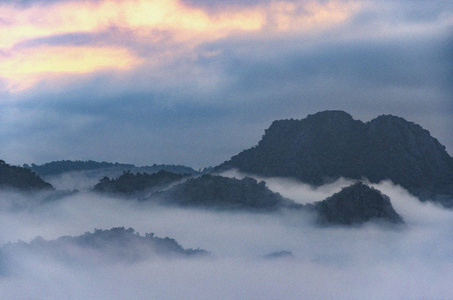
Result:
[21,178]
[132,184]
[114,245]
[356,204]
[212,191]
[331,144]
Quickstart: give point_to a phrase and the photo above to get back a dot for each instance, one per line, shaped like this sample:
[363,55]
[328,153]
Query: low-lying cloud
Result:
[369,261]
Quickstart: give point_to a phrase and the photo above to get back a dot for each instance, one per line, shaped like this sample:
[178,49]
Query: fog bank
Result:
[369,261]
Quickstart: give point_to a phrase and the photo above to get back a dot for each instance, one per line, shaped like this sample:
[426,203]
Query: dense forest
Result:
[219,192]
[21,178]
[132,184]
[356,204]
[64,166]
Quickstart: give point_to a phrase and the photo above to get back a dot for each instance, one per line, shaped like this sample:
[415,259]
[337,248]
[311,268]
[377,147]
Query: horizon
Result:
[194,82]
[200,168]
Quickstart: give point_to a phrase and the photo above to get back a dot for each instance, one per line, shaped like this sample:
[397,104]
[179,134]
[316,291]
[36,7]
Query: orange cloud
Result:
[66,17]
[26,67]
[312,15]
[185,25]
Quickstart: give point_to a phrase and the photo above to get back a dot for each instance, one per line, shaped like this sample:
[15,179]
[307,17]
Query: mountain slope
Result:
[21,178]
[331,144]
[219,192]
[356,204]
[133,184]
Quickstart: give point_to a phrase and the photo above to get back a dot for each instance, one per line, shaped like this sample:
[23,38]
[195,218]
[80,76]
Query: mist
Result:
[364,262]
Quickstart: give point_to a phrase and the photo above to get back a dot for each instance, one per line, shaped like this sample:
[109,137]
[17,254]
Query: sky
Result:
[194,82]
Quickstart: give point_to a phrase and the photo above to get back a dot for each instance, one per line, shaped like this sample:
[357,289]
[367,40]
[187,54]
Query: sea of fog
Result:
[366,262]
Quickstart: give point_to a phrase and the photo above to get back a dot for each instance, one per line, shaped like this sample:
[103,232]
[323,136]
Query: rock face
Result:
[226,193]
[21,179]
[328,145]
[356,204]
[130,184]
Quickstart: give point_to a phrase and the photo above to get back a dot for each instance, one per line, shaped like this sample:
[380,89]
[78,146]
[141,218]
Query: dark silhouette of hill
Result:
[114,245]
[353,205]
[331,144]
[212,191]
[21,178]
[279,255]
[356,204]
[63,166]
[132,184]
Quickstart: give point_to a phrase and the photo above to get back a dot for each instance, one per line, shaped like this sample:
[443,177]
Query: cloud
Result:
[294,189]
[205,93]
[144,21]
[25,68]
[200,93]
[371,261]
[236,92]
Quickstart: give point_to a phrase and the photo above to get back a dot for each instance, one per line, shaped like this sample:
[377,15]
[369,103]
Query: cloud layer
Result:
[351,263]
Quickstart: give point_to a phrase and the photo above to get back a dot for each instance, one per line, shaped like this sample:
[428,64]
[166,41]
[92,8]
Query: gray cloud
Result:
[201,109]
[72,39]
[350,263]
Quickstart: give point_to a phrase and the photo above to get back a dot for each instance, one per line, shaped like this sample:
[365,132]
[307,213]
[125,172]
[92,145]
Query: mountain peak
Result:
[356,204]
[329,145]
[330,115]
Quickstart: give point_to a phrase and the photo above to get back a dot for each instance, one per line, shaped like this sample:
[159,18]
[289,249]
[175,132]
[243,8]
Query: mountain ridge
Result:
[329,145]
[23,179]
[63,166]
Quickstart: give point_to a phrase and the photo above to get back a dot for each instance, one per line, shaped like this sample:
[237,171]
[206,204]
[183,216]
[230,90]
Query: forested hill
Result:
[21,178]
[331,144]
[129,184]
[63,166]
[219,192]
[356,204]
[102,246]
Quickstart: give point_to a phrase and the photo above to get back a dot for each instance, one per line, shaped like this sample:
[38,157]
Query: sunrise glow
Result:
[32,38]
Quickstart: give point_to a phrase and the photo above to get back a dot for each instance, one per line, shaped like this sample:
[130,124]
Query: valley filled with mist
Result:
[372,261]
[90,230]
[226,149]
